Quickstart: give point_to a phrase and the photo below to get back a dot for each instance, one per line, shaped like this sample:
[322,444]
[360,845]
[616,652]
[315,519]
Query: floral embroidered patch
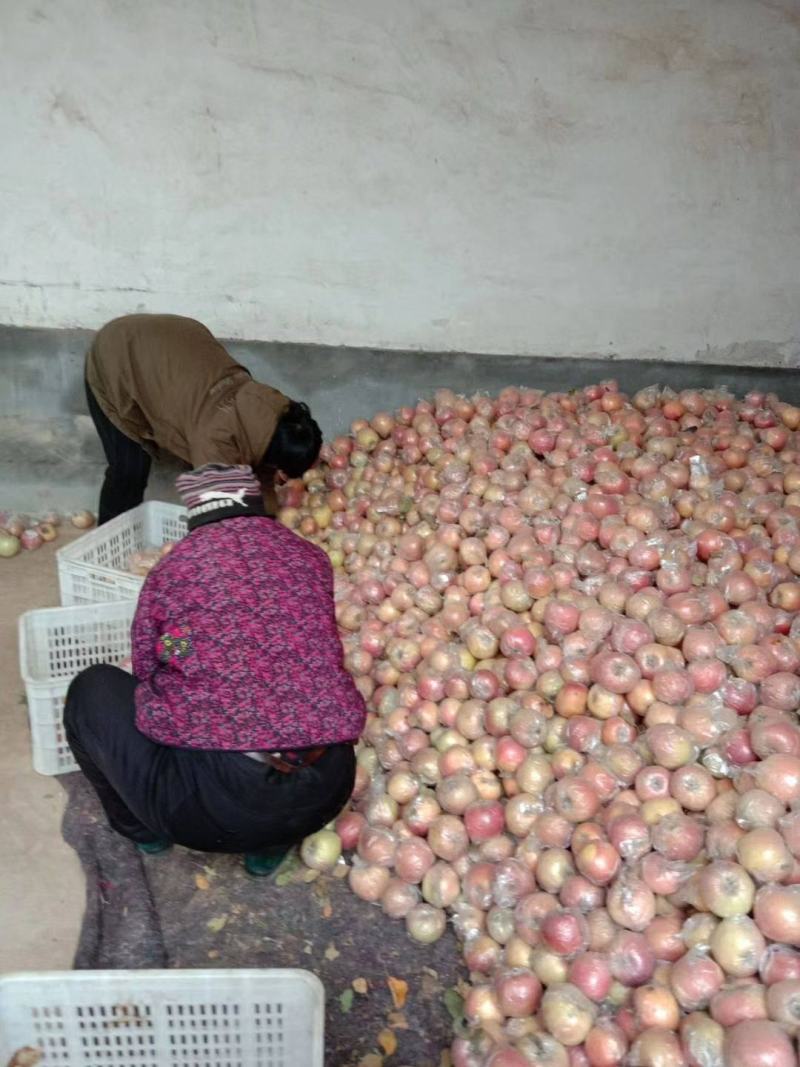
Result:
[174,644]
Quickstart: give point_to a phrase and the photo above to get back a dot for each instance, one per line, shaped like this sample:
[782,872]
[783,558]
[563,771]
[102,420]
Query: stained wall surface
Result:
[551,177]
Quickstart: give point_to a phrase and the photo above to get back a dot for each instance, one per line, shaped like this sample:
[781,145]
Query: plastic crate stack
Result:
[93,625]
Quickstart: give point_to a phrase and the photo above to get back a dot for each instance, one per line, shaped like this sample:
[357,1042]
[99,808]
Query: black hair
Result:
[296,443]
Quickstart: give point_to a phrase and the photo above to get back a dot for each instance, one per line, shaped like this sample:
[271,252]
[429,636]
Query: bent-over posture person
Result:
[164,382]
[236,732]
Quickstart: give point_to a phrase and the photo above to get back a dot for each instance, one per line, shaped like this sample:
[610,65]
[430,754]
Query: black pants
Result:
[128,465]
[207,801]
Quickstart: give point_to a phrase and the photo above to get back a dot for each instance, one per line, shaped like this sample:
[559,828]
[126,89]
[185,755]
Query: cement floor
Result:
[41,884]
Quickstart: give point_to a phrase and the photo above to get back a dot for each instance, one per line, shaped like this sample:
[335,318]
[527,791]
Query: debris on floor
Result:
[387,999]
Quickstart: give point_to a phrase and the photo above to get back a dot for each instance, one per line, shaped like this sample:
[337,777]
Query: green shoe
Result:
[263,864]
[152,848]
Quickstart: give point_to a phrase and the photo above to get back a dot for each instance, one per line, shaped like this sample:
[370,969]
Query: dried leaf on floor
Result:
[26,1057]
[388,1042]
[213,954]
[360,986]
[311,876]
[346,1000]
[127,1015]
[397,1020]
[289,868]
[321,893]
[398,987]
[454,1002]
[202,882]
[332,953]
[372,1059]
[217,923]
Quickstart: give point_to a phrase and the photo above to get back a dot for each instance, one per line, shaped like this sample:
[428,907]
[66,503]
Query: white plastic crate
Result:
[91,570]
[54,645]
[203,1018]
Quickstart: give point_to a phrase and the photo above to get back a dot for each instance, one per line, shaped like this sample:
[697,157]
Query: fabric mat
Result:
[187,910]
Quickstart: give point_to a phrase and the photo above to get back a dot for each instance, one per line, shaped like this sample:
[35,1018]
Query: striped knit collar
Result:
[217,492]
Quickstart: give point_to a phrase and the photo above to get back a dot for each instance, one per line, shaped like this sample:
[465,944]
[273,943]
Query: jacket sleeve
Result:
[148,625]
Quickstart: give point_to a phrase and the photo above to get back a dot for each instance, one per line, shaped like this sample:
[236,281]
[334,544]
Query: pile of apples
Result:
[574,619]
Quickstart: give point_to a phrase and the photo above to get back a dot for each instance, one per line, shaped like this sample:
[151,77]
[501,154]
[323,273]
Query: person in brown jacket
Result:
[163,382]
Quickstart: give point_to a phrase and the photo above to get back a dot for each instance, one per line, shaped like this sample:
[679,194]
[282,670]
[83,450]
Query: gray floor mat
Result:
[186,909]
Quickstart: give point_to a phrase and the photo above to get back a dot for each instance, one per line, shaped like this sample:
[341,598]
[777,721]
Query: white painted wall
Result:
[521,176]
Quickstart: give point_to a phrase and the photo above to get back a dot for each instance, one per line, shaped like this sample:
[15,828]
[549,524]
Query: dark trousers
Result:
[207,801]
[128,465]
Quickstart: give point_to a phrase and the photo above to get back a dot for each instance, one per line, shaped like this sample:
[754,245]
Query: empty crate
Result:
[54,645]
[198,1018]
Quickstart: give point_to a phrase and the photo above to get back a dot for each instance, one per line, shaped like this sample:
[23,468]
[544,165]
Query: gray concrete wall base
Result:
[50,456]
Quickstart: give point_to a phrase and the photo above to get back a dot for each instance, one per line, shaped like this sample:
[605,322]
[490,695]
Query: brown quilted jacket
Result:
[166,382]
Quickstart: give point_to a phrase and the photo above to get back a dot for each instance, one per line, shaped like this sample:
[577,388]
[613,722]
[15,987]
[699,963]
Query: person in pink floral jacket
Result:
[235,732]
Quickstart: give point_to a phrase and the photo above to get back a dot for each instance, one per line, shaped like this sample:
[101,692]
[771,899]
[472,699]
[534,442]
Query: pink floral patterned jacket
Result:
[236,647]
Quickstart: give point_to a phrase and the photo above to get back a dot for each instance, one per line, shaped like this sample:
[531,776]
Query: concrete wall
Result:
[563,177]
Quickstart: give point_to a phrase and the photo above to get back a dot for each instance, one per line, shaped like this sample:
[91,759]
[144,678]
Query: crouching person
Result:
[236,732]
